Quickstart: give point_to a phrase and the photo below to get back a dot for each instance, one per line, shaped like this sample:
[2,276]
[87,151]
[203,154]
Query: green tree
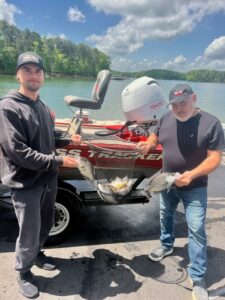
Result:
[61,56]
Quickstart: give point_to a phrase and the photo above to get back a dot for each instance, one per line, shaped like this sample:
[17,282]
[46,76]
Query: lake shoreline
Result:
[210,96]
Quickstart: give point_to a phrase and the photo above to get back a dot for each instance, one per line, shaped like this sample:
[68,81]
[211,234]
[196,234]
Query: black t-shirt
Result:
[185,144]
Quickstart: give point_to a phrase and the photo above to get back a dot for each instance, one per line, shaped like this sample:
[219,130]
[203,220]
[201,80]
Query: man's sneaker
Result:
[160,252]
[199,291]
[27,288]
[44,262]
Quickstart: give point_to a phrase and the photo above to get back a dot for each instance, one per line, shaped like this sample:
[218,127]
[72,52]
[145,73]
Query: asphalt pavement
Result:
[108,257]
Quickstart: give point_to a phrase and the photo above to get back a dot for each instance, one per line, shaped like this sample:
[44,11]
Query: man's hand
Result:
[208,165]
[76,139]
[150,144]
[143,147]
[184,179]
[69,162]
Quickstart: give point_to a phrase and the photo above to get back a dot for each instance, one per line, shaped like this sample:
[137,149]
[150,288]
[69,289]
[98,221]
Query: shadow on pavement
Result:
[107,274]
[216,262]
[101,225]
[104,275]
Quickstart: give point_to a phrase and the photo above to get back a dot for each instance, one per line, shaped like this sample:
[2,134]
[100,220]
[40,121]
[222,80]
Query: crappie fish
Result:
[86,168]
[161,181]
[113,191]
[121,186]
[106,193]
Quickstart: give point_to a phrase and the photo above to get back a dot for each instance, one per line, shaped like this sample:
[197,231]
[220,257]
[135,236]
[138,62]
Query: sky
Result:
[179,35]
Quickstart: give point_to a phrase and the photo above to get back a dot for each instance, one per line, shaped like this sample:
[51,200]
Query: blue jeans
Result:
[195,205]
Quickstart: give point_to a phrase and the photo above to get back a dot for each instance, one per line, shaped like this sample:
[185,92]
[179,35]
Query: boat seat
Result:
[98,93]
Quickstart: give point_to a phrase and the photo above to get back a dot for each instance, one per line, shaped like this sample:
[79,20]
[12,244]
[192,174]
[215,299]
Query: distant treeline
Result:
[60,56]
[63,57]
[195,75]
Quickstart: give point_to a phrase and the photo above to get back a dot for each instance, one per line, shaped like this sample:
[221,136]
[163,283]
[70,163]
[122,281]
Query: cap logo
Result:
[178,93]
[29,57]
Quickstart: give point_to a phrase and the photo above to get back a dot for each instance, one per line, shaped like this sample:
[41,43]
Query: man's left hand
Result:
[184,179]
[76,139]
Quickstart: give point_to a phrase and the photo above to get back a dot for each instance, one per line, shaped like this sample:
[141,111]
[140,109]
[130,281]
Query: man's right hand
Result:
[69,162]
[143,147]
[150,144]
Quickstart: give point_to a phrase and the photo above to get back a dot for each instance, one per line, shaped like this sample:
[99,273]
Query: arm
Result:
[150,144]
[208,165]
[15,145]
[70,162]
[76,139]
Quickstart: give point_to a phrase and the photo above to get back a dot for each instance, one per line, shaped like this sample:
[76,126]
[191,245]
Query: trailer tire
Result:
[67,218]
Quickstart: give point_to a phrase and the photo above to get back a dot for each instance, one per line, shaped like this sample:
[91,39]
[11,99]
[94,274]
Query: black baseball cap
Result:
[180,92]
[29,58]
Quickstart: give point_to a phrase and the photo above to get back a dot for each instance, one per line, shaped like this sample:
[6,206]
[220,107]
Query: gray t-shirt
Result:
[185,144]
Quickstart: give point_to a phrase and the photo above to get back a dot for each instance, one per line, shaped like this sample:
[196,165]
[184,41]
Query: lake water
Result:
[210,96]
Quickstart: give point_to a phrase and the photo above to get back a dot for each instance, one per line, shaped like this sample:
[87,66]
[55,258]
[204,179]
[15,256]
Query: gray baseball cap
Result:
[180,93]
[29,58]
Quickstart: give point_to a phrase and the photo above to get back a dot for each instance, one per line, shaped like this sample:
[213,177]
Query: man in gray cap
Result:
[29,166]
[192,142]
[29,58]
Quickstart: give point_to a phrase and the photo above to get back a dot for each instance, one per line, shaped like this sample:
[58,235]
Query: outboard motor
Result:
[143,101]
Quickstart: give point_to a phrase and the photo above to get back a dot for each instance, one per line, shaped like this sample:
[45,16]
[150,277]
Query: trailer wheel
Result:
[67,216]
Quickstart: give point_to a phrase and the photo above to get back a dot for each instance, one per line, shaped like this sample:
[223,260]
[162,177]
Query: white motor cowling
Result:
[143,100]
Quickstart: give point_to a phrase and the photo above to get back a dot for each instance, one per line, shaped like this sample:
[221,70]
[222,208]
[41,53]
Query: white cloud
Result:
[213,56]
[178,63]
[198,58]
[131,7]
[52,36]
[8,11]
[75,15]
[130,65]
[216,50]
[62,36]
[179,60]
[146,20]
[203,63]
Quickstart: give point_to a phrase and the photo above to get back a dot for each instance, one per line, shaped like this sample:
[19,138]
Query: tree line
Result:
[194,75]
[63,57]
[60,56]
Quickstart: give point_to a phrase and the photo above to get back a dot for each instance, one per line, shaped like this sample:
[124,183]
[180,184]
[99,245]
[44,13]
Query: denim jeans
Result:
[195,205]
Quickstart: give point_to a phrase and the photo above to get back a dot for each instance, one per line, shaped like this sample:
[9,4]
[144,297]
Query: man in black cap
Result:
[29,166]
[192,142]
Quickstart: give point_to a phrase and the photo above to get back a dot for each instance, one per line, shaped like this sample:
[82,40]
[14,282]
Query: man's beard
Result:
[187,116]
[33,87]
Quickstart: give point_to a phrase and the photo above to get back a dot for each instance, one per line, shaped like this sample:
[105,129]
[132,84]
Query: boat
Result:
[120,136]
[109,146]
[143,104]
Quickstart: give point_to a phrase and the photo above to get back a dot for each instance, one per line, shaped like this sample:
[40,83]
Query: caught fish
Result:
[86,168]
[106,193]
[113,191]
[121,186]
[161,181]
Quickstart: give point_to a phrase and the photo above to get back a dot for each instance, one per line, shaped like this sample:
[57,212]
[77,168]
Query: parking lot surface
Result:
[107,258]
